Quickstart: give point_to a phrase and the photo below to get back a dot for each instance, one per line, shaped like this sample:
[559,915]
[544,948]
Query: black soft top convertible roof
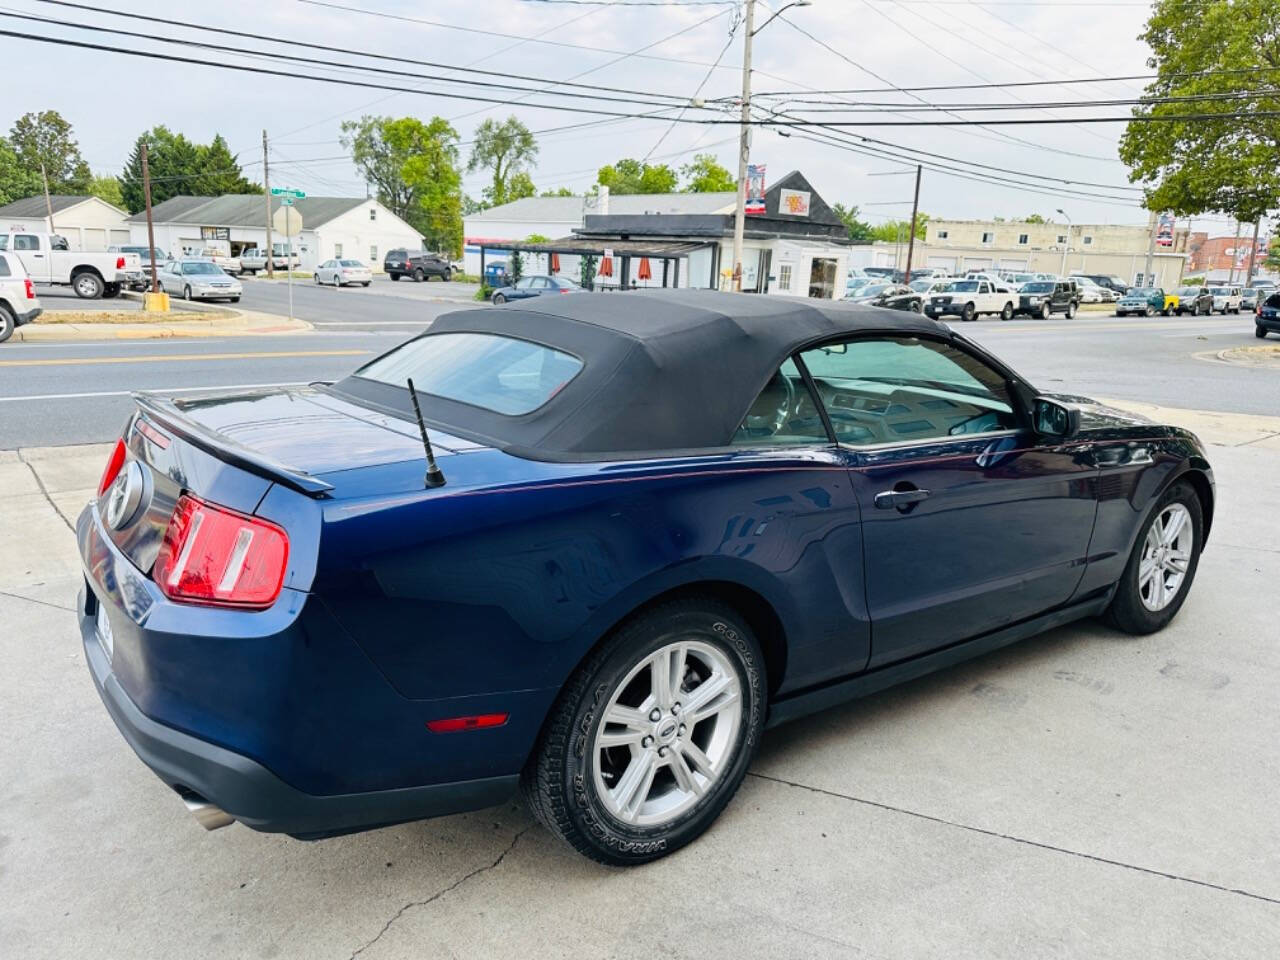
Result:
[663,370]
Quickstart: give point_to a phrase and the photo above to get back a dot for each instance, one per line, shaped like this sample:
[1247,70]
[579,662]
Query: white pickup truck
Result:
[969,299]
[49,261]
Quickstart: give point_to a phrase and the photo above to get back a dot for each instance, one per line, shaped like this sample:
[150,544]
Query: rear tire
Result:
[1007,312]
[447,276]
[8,323]
[394,276]
[110,291]
[1260,332]
[575,785]
[1144,607]
[419,276]
[1071,311]
[88,286]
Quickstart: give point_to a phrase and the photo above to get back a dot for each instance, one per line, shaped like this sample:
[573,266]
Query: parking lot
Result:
[1081,794]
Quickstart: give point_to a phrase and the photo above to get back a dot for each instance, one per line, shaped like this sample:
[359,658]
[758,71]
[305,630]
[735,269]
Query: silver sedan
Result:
[197,279]
[340,272]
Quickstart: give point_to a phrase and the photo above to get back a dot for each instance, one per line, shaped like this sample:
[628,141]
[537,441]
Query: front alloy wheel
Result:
[1166,556]
[1162,564]
[652,736]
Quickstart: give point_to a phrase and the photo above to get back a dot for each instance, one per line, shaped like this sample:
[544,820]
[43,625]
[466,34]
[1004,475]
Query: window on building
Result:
[1023,239]
[337,250]
[784,277]
[1088,241]
[373,213]
[373,253]
[988,238]
[1062,238]
[942,235]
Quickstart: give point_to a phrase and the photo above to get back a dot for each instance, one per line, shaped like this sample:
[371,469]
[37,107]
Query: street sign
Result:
[287,201]
[287,221]
[287,192]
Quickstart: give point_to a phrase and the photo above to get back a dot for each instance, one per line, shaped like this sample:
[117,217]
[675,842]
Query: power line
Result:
[733,29]
[854,106]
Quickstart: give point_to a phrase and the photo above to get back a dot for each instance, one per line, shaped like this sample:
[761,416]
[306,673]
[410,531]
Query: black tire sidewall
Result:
[1127,611]
[8,323]
[615,842]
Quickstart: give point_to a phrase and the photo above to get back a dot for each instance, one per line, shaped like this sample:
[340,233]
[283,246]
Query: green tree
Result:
[174,163]
[893,230]
[17,180]
[520,186]
[45,138]
[108,189]
[1035,218]
[705,175]
[859,231]
[1225,164]
[558,192]
[1272,260]
[219,171]
[506,148]
[413,168]
[632,176]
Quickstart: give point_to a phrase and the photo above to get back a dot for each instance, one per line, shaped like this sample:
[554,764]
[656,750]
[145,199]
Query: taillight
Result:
[119,263]
[31,289]
[217,556]
[114,463]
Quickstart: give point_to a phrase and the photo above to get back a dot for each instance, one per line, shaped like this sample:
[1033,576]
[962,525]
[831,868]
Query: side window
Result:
[524,283]
[984,287]
[4,266]
[895,389]
[541,283]
[26,242]
[784,414]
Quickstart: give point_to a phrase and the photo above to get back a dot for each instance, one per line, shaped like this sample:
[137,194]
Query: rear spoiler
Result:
[163,413]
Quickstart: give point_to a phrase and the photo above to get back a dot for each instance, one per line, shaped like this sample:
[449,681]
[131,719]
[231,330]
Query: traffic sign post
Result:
[288,221]
[287,192]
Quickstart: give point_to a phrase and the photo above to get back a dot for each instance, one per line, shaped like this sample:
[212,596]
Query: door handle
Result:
[900,498]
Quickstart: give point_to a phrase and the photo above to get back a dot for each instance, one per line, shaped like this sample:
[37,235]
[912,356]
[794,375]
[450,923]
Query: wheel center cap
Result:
[666,730]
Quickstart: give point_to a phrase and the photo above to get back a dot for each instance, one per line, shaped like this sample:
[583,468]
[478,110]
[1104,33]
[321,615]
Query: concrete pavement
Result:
[1082,794]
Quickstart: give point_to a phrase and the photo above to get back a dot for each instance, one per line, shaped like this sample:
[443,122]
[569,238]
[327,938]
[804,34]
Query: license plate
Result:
[104,631]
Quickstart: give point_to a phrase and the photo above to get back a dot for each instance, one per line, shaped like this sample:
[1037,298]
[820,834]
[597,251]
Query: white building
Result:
[87,223]
[357,227]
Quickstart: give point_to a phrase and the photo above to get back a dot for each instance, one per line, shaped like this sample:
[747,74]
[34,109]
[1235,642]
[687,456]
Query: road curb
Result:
[234,323]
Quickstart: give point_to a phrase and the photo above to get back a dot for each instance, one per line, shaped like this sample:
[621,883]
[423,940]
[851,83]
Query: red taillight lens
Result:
[114,463]
[217,556]
[31,289]
[456,724]
[119,263]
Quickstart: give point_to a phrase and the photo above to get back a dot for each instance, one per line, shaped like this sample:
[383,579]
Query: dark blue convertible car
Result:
[653,524]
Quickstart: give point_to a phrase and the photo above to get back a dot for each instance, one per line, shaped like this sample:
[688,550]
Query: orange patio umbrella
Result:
[555,263]
[606,267]
[645,272]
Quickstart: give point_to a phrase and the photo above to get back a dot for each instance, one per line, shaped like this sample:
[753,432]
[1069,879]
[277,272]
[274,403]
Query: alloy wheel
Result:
[667,734]
[1166,556]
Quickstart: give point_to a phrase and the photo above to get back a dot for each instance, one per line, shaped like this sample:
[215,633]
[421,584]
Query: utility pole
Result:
[1253,250]
[151,230]
[48,202]
[744,146]
[1235,255]
[1147,280]
[266,196]
[915,209]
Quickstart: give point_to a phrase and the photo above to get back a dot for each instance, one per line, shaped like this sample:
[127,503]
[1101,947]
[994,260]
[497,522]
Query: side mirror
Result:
[1051,418]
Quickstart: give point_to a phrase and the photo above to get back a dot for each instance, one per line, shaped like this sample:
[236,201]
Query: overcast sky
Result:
[111,97]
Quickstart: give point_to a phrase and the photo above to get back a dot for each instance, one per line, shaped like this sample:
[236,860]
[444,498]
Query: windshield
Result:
[501,374]
[963,286]
[1220,291]
[202,268]
[920,286]
[1039,287]
[874,290]
[1188,291]
[351,263]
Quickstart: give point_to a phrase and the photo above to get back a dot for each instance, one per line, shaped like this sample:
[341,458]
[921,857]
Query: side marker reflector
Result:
[455,724]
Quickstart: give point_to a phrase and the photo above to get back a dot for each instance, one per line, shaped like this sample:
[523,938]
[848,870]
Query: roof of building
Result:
[652,365]
[572,209]
[34,208]
[244,210]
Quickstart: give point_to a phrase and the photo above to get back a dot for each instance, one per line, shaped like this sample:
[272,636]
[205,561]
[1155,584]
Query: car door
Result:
[521,288]
[31,251]
[970,521]
[538,286]
[984,298]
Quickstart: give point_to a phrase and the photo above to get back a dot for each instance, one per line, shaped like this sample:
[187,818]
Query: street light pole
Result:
[1066,247]
[744,147]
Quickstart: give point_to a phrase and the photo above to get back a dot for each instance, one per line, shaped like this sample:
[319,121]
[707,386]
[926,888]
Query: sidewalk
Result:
[215,322]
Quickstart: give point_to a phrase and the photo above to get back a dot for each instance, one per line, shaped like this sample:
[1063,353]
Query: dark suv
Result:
[420,266]
[1194,300]
[1267,319]
[1040,298]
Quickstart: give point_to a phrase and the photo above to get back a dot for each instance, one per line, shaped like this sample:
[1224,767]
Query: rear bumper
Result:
[250,792]
[20,318]
[1270,324]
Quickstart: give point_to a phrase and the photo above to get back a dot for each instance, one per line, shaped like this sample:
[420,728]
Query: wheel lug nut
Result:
[682,729]
[647,742]
[662,751]
[675,709]
[655,714]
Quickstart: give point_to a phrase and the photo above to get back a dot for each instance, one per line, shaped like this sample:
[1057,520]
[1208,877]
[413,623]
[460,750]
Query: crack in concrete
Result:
[1150,871]
[440,893]
[40,483]
[43,603]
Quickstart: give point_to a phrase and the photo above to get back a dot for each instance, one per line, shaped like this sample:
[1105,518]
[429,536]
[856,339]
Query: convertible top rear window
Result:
[502,374]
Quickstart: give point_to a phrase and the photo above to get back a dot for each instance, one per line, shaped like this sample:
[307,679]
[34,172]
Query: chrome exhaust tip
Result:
[207,815]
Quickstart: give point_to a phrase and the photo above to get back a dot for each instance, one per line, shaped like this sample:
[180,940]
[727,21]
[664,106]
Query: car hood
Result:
[311,430]
[1095,415]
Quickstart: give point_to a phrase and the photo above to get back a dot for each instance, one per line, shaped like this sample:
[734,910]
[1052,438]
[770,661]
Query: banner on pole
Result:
[1164,231]
[755,188]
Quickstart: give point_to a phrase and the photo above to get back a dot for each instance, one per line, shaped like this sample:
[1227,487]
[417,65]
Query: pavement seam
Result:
[1022,840]
[440,893]
[43,603]
[1269,436]
[40,483]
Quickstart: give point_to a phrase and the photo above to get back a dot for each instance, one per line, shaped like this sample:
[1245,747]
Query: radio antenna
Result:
[434,477]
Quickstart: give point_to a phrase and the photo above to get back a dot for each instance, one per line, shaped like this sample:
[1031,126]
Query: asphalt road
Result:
[69,392]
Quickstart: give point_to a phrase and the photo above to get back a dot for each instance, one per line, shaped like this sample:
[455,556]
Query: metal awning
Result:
[595,247]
